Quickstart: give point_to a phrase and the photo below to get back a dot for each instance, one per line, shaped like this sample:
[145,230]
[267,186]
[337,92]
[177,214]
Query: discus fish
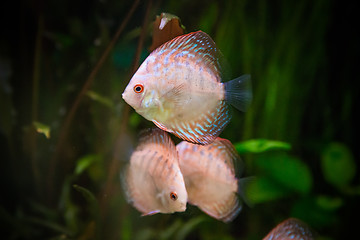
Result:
[209,175]
[291,229]
[179,88]
[153,181]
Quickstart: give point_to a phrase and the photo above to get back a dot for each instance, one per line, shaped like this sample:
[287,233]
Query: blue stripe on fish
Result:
[198,45]
[291,228]
[204,129]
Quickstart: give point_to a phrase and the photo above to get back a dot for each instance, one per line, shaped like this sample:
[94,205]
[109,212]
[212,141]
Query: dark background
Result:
[303,58]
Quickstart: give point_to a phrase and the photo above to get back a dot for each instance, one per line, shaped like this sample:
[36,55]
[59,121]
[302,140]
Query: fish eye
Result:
[173,196]
[138,88]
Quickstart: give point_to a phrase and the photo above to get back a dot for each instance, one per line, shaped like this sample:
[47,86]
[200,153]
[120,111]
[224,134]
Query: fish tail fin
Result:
[238,92]
[244,190]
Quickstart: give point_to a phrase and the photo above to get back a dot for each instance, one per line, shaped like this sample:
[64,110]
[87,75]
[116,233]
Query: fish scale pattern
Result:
[291,229]
[154,169]
[203,130]
[210,179]
[198,44]
[220,210]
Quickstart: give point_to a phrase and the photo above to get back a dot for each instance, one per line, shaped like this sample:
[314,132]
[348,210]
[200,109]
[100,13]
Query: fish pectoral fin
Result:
[150,213]
[175,95]
[207,125]
[160,104]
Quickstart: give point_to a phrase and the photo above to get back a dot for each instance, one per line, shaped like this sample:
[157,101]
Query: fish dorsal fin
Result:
[228,152]
[198,45]
[157,137]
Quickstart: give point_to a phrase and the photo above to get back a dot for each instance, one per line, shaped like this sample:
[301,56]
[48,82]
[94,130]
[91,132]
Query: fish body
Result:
[291,229]
[209,175]
[179,88]
[153,181]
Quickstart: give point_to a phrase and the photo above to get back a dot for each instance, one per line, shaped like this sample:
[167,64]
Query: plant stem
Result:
[67,122]
[119,150]
[35,102]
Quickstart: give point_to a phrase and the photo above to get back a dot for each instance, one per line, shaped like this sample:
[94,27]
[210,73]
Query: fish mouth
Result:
[123,95]
[183,207]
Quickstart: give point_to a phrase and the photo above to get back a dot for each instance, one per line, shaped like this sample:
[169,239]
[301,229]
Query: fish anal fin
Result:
[161,126]
[150,213]
[225,210]
[205,129]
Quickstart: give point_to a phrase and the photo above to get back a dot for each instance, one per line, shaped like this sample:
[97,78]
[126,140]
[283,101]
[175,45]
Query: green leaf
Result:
[188,227]
[101,99]
[263,189]
[49,224]
[145,234]
[338,165]
[83,163]
[329,203]
[170,231]
[289,171]
[69,209]
[86,194]
[314,212]
[126,229]
[42,128]
[261,145]
[93,205]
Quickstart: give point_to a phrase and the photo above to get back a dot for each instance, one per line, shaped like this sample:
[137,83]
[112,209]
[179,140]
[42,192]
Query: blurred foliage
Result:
[60,170]
[261,145]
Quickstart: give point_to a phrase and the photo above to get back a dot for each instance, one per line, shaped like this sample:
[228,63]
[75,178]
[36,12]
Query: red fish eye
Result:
[138,88]
[173,196]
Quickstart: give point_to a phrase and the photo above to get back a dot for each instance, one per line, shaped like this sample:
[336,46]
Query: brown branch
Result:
[114,166]
[35,104]
[67,122]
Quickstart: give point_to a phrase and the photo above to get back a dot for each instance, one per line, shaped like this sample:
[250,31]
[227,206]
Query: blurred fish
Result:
[179,88]
[291,229]
[153,181]
[209,175]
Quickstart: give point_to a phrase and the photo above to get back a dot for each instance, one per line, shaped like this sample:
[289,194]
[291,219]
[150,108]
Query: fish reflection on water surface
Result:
[209,175]
[153,181]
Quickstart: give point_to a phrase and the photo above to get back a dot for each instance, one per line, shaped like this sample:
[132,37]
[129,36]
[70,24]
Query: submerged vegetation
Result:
[66,133]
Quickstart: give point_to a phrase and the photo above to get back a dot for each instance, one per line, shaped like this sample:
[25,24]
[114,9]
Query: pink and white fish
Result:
[209,175]
[179,88]
[153,181]
[291,229]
